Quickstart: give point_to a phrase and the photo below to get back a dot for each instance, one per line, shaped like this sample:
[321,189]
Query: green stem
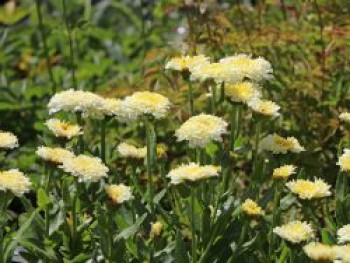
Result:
[284,254]
[80,122]
[190,98]
[46,49]
[48,175]
[75,220]
[213,99]
[193,225]
[151,156]
[275,215]
[233,115]
[103,139]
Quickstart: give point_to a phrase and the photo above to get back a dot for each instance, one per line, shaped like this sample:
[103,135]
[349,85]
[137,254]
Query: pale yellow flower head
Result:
[14,181]
[320,252]
[85,102]
[186,62]
[63,129]
[117,108]
[345,116]
[130,151]
[278,144]
[54,155]
[344,161]
[119,193]
[257,69]
[202,129]
[8,140]
[251,208]
[242,92]
[283,172]
[147,103]
[343,253]
[192,172]
[84,167]
[344,234]
[266,108]
[295,231]
[156,229]
[306,189]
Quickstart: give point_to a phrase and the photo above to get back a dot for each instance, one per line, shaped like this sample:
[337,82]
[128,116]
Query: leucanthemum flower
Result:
[251,208]
[148,103]
[242,92]
[278,144]
[201,129]
[344,161]
[130,151]
[306,189]
[119,193]
[85,102]
[344,234]
[345,116]
[63,129]
[283,172]
[14,181]
[84,167]
[186,62]
[54,155]
[8,140]
[343,253]
[255,69]
[192,172]
[117,108]
[264,107]
[295,231]
[320,252]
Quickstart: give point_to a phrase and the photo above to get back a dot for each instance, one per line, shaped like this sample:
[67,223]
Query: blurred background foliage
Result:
[120,46]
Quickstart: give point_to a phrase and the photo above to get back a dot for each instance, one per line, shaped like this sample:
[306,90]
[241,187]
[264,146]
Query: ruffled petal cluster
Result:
[251,208]
[344,161]
[306,189]
[283,172]
[295,232]
[344,234]
[187,62]
[278,144]
[119,193]
[320,252]
[54,155]
[8,140]
[130,151]
[14,181]
[242,92]
[63,129]
[264,107]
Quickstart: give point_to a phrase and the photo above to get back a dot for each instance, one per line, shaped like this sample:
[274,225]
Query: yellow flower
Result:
[345,116]
[264,107]
[8,140]
[63,129]
[257,69]
[119,193]
[277,144]
[156,229]
[84,167]
[344,161]
[54,155]
[343,253]
[148,103]
[242,92]
[129,151]
[344,234]
[200,130]
[162,150]
[251,208]
[320,252]
[295,232]
[14,181]
[192,172]
[186,62]
[283,172]
[306,189]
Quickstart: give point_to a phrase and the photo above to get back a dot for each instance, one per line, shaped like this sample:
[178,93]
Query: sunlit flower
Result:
[278,144]
[192,172]
[343,253]
[186,62]
[156,229]
[119,193]
[345,116]
[63,129]
[71,100]
[251,208]
[84,167]
[218,72]
[117,108]
[264,107]
[242,92]
[283,172]
[344,161]
[320,252]
[344,234]
[8,140]
[295,232]
[14,181]
[130,151]
[201,129]
[306,189]
[54,155]
[148,103]
[257,69]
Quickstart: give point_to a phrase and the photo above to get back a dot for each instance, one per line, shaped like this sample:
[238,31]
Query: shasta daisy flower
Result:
[344,234]
[343,253]
[54,155]
[8,140]
[14,181]
[201,129]
[306,189]
[295,232]
[345,116]
[186,62]
[283,172]
[320,252]
[63,129]
[264,107]
[192,172]
[277,144]
[130,151]
[251,208]
[119,193]
[242,92]
[344,161]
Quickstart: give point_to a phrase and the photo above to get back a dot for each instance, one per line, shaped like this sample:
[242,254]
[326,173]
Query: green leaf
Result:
[132,230]
[180,250]
[42,198]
